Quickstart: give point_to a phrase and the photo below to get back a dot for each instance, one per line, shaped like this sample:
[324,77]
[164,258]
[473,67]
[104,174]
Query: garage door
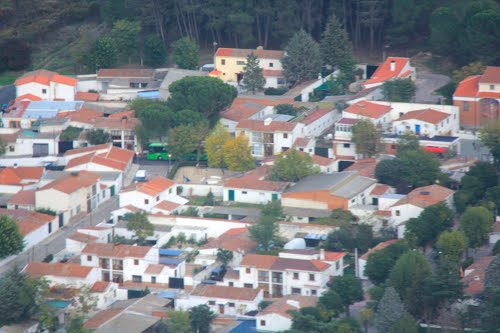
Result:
[40,149]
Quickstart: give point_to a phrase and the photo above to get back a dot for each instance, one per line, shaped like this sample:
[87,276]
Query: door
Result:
[221,308]
[417,129]
[274,196]
[61,220]
[112,190]
[231,195]
[40,149]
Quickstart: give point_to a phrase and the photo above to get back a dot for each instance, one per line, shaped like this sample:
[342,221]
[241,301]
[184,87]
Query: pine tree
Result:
[253,80]
[389,311]
[302,58]
[335,46]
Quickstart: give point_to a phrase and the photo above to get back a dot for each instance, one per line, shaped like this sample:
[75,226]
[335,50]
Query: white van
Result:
[140,176]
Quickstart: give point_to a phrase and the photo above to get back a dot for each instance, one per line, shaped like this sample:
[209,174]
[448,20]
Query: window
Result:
[146,201]
[285,135]
[248,285]
[231,305]
[12,149]
[271,64]
[137,278]
[231,284]
[170,191]
[44,91]
[337,265]
[398,213]
[262,323]
[296,291]
[153,279]
[314,292]
[312,277]
[247,270]
[492,87]
[89,258]
[281,80]
[211,302]
[136,262]
[466,106]
[50,226]
[157,198]
[295,276]
[223,61]
[241,63]
[244,192]
[347,145]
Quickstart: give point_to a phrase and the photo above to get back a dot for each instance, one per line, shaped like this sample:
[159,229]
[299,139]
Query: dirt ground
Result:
[201,175]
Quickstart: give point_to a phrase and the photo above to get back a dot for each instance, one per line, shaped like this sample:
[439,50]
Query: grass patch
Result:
[324,105]
[8,78]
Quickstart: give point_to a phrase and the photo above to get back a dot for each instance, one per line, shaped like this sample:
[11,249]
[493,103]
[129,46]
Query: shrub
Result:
[275,91]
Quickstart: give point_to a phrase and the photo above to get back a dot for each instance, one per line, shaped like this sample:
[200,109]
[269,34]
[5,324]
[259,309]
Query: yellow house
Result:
[230,63]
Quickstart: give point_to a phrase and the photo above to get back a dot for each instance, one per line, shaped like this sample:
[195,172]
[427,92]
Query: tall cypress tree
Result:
[302,58]
[253,80]
[389,311]
[335,46]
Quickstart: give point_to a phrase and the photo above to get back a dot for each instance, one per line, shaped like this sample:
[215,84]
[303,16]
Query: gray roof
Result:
[345,184]
[49,109]
[391,196]
[105,176]
[128,323]
[306,212]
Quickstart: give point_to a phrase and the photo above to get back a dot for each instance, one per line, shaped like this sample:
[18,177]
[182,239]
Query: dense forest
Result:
[463,30]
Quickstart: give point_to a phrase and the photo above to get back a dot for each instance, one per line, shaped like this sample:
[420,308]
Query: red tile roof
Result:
[69,81]
[87,149]
[232,293]
[491,75]
[256,180]
[427,115]
[57,269]
[99,287]
[425,196]
[380,189]
[302,142]
[347,121]
[365,167]
[102,317]
[272,73]
[313,116]
[154,269]
[243,53]
[474,280]
[383,213]
[281,307]
[260,126]
[23,197]
[469,87]
[30,97]
[167,205]
[116,251]
[384,73]
[245,107]
[282,264]
[152,187]
[44,77]
[14,176]
[368,109]
[83,115]
[83,238]
[86,96]
[236,240]
[124,123]
[114,158]
[73,182]
[120,115]
[378,247]
[215,72]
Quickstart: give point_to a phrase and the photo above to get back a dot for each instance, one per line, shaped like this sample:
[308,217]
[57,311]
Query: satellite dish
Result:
[295,244]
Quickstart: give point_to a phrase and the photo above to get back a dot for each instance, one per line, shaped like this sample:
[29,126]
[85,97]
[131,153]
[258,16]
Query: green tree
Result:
[489,311]
[389,311]
[186,53]
[265,233]
[349,289]
[490,136]
[432,221]
[419,168]
[331,302]
[214,146]
[201,318]
[389,172]
[407,142]
[408,277]
[139,224]
[287,109]
[404,16]
[365,318]
[126,37]
[302,60]
[253,80]
[444,26]
[380,263]
[335,46]
[104,53]
[292,166]
[97,137]
[3,147]
[451,245]
[179,321]
[76,326]
[11,240]
[366,137]
[474,68]
[238,155]
[224,257]
[185,139]
[399,90]
[155,53]
[349,237]
[476,224]
[205,95]
[405,324]
[340,218]
[70,133]
[492,274]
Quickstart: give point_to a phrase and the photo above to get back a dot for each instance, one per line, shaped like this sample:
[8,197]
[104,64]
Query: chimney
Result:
[293,303]
[268,121]
[321,254]
[393,66]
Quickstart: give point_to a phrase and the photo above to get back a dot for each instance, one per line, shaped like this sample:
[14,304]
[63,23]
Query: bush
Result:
[275,91]
[48,258]
[496,248]
[264,304]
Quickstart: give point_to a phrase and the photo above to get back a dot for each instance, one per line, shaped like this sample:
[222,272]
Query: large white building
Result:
[45,85]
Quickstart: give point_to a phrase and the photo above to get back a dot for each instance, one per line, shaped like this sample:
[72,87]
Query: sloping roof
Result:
[380,189]
[116,123]
[260,125]
[474,280]
[491,75]
[120,115]
[115,158]
[368,109]
[167,205]
[44,77]
[232,293]
[83,115]
[378,247]
[154,269]
[23,197]
[125,73]
[313,116]
[425,196]
[347,121]
[99,287]
[428,115]
[384,72]
[152,187]
[282,306]
[282,264]
[245,107]
[237,240]
[102,317]
[27,220]
[72,182]
[116,251]
[82,238]
[302,142]
[365,167]
[243,53]
[86,96]
[31,97]
[13,176]
[87,149]
[57,269]
[272,73]
[257,180]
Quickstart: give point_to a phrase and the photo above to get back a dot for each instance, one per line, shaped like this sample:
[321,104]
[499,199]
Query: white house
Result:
[151,194]
[77,241]
[15,179]
[426,122]
[364,258]
[101,158]
[106,293]
[24,199]
[68,274]
[253,187]
[392,68]
[46,85]
[276,317]
[318,121]
[222,300]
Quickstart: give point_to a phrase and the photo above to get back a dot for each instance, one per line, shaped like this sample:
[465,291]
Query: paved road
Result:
[427,84]
[57,242]
[7,93]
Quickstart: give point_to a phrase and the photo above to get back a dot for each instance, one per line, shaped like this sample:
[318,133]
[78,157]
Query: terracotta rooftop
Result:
[260,125]
[152,187]
[302,142]
[232,293]
[88,149]
[368,109]
[256,180]
[99,287]
[57,269]
[82,238]
[491,75]
[347,121]
[427,115]
[425,196]
[14,176]
[102,317]
[237,240]
[44,77]
[29,97]
[243,53]
[116,251]
[329,255]
[365,167]
[384,72]
[23,197]
[73,182]
[380,189]
[86,96]
[282,306]
[313,116]
[474,278]
[27,220]
[378,247]
[83,115]
[282,264]
[116,123]
[469,87]
[120,115]
[245,107]
[167,205]
[114,158]
[154,269]
[272,73]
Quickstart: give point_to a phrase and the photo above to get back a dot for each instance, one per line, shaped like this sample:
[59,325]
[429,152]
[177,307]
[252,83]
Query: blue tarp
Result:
[170,252]
[168,294]
[246,326]
[170,261]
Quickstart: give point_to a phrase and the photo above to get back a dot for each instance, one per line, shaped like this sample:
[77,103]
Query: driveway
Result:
[427,84]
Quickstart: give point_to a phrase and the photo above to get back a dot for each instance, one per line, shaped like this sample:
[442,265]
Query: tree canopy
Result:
[349,289]
[186,53]
[214,146]
[139,223]
[380,263]
[432,221]
[399,90]
[11,240]
[265,231]
[201,318]
[292,166]
[302,60]
[366,137]
[490,136]
[238,155]
[97,136]
[476,224]
[452,245]
[335,46]
[389,311]
[253,80]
